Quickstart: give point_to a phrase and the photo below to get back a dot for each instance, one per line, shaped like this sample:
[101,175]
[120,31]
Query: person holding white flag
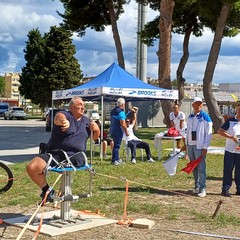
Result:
[198,138]
[170,164]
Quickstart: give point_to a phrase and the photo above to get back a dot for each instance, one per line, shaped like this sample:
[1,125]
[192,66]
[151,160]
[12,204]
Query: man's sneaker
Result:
[225,193]
[202,193]
[134,161]
[195,190]
[150,160]
[115,163]
[50,196]
[120,160]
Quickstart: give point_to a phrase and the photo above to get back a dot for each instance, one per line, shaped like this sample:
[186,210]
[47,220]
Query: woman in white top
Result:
[177,120]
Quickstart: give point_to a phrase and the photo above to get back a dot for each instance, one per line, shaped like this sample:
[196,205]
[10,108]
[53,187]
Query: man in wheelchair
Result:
[70,132]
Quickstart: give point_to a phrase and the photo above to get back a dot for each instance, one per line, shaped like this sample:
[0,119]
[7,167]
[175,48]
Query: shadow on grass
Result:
[214,178]
[150,190]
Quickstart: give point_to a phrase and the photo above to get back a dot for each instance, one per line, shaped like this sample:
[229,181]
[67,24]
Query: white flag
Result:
[170,164]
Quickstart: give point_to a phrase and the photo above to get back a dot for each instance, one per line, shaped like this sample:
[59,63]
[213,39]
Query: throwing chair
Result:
[65,198]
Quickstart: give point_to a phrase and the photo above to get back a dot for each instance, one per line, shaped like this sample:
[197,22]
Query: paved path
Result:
[19,139]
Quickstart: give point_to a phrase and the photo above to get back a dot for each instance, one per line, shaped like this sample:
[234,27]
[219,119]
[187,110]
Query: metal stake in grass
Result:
[217,209]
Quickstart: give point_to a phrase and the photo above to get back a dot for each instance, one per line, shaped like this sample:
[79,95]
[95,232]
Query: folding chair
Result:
[96,146]
[127,151]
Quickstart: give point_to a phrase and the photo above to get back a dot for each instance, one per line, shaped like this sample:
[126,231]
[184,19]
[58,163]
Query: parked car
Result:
[4,106]
[15,113]
[51,112]
[45,113]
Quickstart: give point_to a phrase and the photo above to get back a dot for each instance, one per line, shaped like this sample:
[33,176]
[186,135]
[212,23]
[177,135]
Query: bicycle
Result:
[6,178]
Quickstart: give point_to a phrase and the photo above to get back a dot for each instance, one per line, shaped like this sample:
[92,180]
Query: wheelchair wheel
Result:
[6,178]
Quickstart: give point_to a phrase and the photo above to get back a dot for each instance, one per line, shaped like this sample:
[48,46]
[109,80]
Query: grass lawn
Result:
[152,193]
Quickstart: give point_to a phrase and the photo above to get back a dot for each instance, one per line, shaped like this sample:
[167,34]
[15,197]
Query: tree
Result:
[62,69]
[32,72]
[163,32]
[185,21]
[50,65]
[164,53]
[191,19]
[225,9]
[94,14]
[2,86]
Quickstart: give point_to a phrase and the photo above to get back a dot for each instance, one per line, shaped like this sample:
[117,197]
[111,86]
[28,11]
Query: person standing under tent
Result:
[177,120]
[117,127]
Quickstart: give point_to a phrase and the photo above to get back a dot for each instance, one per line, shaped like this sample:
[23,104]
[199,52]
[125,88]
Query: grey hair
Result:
[120,101]
[73,100]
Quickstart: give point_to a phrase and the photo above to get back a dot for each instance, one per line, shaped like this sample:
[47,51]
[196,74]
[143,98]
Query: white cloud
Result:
[96,50]
[17,19]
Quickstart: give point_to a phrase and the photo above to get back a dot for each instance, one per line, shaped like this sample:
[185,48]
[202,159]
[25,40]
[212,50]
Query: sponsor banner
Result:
[57,94]
[124,92]
[65,94]
[142,93]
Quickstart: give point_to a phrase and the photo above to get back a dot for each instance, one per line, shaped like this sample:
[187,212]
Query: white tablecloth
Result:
[158,142]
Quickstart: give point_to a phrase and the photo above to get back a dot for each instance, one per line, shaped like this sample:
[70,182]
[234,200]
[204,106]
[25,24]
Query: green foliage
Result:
[209,14]
[32,74]
[185,18]
[193,15]
[62,69]
[50,65]
[2,85]
[150,32]
[80,15]
[175,82]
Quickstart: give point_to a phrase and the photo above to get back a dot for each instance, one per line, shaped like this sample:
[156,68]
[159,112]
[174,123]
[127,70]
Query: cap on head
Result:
[197,99]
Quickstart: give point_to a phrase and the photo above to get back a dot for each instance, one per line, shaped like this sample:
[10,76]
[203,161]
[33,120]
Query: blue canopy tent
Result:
[113,83]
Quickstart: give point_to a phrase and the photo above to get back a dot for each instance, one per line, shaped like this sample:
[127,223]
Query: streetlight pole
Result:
[196,92]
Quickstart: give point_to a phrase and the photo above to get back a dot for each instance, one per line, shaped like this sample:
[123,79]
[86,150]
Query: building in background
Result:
[12,85]
[229,87]
[11,93]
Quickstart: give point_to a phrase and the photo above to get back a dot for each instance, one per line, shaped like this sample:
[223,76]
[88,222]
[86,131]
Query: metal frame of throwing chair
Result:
[66,196]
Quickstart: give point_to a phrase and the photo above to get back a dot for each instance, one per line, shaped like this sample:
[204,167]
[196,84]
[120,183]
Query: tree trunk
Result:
[116,36]
[164,53]
[210,100]
[182,64]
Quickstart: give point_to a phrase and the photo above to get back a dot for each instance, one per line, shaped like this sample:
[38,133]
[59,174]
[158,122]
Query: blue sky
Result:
[96,51]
